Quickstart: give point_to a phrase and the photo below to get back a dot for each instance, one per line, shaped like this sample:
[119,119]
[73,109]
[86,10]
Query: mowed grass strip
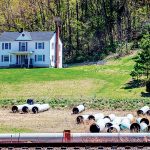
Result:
[101,81]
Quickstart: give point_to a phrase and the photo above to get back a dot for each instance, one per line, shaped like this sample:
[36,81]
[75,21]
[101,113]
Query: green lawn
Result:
[81,82]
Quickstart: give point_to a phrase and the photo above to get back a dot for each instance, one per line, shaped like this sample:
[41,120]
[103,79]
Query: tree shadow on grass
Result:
[134,84]
[143,94]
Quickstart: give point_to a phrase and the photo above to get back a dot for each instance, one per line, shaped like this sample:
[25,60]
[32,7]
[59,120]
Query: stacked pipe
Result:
[30,107]
[114,124]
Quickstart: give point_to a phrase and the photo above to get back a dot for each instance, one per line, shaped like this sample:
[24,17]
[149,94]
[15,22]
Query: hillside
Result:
[68,86]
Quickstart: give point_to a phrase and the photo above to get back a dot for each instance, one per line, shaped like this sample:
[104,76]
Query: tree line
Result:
[90,29]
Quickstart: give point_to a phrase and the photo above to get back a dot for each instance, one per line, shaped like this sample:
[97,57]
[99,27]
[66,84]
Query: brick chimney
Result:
[57,21]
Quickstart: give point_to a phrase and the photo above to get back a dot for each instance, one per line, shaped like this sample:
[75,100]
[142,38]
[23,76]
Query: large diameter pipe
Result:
[135,127]
[81,118]
[140,120]
[148,112]
[98,126]
[114,129]
[112,117]
[78,109]
[143,110]
[130,117]
[28,108]
[40,108]
[125,124]
[144,126]
[117,121]
[17,108]
[96,116]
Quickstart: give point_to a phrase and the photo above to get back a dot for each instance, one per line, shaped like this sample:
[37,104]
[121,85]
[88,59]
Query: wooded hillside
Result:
[90,29]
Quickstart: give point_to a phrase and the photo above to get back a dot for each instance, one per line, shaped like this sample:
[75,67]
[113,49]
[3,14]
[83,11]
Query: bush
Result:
[148,86]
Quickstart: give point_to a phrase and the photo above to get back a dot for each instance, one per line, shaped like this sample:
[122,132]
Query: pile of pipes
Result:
[112,123]
[30,106]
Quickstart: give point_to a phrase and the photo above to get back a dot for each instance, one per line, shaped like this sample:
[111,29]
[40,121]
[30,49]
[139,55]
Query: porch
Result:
[22,59]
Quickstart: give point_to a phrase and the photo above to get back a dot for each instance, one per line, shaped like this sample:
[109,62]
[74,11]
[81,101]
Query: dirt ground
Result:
[54,120]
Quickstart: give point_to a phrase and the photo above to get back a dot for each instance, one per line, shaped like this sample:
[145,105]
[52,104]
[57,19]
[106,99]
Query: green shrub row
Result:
[95,103]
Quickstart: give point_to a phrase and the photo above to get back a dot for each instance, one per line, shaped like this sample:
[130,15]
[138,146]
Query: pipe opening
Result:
[107,117]
[140,112]
[135,128]
[14,109]
[75,110]
[148,128]
[35,110]
[94,128]
[145,121]
[148,112]
[79,119]
[112,130]
[25,109]
[91,117]
[108,125]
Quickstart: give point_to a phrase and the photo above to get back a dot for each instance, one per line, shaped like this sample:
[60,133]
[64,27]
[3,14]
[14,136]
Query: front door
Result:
[20,59]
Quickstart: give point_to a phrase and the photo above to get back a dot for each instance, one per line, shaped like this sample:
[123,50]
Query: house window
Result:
[52,45]
[39,58]
[6,45]
[39,45]
[5,58]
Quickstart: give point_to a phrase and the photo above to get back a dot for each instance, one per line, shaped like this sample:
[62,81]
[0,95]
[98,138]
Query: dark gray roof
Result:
[35,36]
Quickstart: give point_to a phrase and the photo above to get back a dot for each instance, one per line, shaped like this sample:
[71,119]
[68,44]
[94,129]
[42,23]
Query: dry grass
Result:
[50,121]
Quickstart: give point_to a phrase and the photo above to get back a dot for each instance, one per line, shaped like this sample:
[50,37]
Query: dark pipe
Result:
[35,110]
[112,130]
[140,112]
[135,127]
[79,119]
[94,128]
[75,110]
[148,112]
[25,109]
[145,120]
[14,109]
[91,117]
[109,124]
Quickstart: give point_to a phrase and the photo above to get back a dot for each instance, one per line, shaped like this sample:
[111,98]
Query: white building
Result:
[30,49]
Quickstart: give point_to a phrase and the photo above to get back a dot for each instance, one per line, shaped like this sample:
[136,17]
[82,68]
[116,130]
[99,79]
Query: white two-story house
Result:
[30,49]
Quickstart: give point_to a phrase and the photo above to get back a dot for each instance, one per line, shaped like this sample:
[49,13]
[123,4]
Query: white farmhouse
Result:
[30,49]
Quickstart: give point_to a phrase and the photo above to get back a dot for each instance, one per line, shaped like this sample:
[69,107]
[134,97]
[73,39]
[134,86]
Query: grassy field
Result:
[68,85]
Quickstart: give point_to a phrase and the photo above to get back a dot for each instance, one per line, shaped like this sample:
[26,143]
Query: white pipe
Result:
[143,110]
[106,120]
[96,116]
[98,126]
[125,124]
[40,108]
[130,117]
[78,109]
[53,135]
[138,120]
[112,116]
[113,129]
[117,121]
[144,126]
[81,118]
[17,108]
